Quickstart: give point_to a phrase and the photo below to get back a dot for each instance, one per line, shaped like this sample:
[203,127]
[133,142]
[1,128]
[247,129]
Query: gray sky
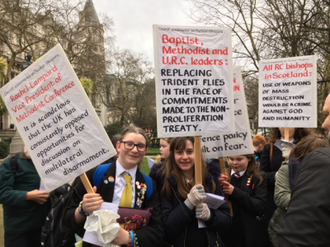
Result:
[134,19]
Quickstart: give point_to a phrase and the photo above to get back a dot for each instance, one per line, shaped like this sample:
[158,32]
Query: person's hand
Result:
[223,178]
[227,188]
[122,237]
[195,196]
[203,212]
[38,196]
[92,201]
[286,149]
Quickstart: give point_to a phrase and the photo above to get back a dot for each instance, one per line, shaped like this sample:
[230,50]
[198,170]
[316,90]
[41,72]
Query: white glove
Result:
[203,212]
[195,196]
[286,149]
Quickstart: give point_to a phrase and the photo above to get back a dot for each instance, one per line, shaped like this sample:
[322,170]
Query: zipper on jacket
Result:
[185,237]
[208,238]
[218,238]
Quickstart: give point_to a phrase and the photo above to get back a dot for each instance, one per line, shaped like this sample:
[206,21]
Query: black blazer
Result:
[249,228]
[151,235]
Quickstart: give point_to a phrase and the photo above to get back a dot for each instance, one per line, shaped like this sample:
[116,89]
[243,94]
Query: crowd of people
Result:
[277,196]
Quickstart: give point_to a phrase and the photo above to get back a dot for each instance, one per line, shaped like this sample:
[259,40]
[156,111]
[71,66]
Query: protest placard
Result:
[56,120]
[194,92]
[234,143]
[288,92]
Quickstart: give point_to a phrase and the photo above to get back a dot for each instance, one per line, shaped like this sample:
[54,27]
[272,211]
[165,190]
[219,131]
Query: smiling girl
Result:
[182,200]
[247,191]
[131,147]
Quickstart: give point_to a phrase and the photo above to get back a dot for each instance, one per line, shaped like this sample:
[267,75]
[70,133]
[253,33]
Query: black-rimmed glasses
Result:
[131,145]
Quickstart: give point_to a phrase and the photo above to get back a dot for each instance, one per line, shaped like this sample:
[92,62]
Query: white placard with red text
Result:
[288,92]
[194,94]
[56,120]
[234,143]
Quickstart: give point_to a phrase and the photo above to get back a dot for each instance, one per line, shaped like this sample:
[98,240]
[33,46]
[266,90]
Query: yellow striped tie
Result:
[127,196]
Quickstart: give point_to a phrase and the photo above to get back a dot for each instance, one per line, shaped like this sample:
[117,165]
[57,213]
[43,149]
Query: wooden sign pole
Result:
[225,172]
[86,183]
[287,134]
[198,160]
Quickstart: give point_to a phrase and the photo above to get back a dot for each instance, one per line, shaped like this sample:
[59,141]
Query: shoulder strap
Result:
[99,173]
[14,163]
[149,184]
[101,169]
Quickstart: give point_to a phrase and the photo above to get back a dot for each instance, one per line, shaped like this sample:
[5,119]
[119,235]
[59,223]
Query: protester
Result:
[307,221]
[182,200]
[25,206]
[247,192]
[286,177]
[271,160]
[157,171]
[259,142]
[131,148]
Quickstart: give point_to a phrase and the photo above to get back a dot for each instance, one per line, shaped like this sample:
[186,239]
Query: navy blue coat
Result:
[181,225]
[249,228]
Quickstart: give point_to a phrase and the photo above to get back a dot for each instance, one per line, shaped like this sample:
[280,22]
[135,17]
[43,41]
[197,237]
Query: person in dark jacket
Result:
[131,148]
[272,158]
[25,206]
[307,221]
[182,201]
[259,142]
[247,191]
[286,178]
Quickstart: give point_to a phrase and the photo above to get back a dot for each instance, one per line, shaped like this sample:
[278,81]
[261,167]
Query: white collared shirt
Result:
[240,173]
[120,182]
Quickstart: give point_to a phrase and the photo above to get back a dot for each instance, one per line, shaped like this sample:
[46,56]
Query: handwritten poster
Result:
[288,92]
[56,120]
[234,143]
[193,80]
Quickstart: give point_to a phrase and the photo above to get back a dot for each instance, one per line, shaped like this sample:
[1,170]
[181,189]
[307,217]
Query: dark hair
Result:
[115,138]
[299,133]
[172,169]
[307,145]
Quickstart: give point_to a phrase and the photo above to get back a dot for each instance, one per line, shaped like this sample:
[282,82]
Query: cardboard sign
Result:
[194,91]
[56,120]
[234,143]
[288,92]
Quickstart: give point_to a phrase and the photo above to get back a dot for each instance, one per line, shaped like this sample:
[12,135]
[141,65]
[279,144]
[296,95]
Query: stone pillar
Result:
[16,144]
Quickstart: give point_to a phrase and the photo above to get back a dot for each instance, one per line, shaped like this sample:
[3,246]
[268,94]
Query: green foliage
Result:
[4,149]
[153,151]
[87,85]
[113,129]
[3,66]
[3,107]
[145,167]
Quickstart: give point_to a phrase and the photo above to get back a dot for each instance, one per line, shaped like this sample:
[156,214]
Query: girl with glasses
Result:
[131,148]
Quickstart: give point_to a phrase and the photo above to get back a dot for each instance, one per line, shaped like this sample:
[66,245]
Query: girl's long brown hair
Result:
[172,169]
[307,145]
